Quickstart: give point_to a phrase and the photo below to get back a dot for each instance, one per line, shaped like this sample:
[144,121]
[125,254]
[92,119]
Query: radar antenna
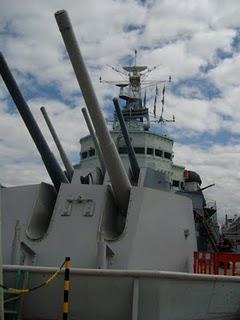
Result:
[133,90]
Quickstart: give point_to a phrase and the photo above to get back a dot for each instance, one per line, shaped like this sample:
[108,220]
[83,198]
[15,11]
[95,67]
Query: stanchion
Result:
[66,288]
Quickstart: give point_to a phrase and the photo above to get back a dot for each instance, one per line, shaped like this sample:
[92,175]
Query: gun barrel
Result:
[131,153]
[51,164]
[118,176]
[65,160]
[95,140]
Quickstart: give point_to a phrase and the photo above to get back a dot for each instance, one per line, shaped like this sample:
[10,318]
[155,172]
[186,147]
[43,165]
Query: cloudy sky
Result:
[196,42]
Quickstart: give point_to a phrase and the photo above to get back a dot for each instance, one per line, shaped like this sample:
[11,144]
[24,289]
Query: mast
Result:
[135,79]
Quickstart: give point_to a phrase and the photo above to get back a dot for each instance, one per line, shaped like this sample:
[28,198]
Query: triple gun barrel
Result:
[119,179]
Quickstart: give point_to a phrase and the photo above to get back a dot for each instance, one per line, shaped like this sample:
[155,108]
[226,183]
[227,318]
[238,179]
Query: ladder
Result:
[13,302]
[210,234]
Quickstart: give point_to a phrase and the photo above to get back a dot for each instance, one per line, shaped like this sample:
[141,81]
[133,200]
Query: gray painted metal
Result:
[153,238]
[16,245]
[108,294]
[51,164]
[135,302]
[95,140]
[85,214]
[154,179]
[118,176]
[131,154]
[65,160]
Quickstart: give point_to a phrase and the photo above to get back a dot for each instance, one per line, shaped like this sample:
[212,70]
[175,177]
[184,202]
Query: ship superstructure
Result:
[153,150]
[230,230]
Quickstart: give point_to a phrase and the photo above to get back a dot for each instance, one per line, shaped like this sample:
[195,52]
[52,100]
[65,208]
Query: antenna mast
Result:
[131,87]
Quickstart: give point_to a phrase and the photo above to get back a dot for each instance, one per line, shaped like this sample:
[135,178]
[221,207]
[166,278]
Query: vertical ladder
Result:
[210,234]
[13,302]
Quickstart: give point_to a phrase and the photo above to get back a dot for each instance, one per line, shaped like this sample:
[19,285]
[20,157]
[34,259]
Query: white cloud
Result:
[225,75]
[194,114]
[174,60]
[169,19]
[217,164]
[204,44]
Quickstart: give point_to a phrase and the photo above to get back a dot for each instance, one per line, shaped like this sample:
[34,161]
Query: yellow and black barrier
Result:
[24,291]
[66,288]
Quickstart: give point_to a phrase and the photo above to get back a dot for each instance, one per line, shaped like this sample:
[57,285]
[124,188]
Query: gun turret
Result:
[55,172]
[118,176]
[65,160]
[131,154]
[95,140]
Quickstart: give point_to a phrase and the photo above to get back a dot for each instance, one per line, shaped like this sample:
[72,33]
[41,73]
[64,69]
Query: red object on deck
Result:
[185,174]
[203,262]
[210,263]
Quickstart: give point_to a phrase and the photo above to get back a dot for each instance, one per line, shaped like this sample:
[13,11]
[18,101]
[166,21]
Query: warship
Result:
[230,230]
[129,219]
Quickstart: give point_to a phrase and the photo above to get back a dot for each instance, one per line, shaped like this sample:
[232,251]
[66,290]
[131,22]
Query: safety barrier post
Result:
[203,262]
[234,270]
[216,264]
[66,288]
[206,262]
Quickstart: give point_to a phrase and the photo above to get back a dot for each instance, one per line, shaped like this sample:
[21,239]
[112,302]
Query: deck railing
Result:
[224,263]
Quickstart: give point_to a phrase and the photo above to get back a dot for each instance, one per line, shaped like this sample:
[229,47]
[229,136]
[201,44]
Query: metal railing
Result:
[225,263]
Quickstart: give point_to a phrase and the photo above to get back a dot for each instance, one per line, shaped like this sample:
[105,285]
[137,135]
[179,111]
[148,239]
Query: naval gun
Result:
[133,202]
[54,170]
[95,140]
[131,153]
[108,224]
[158,232]
[65,160]
[120,182]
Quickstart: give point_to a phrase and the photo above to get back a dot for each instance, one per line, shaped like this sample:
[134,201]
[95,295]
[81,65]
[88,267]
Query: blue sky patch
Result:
[203,140]
[127,60]
[195,88]
[236,41]
[222,54]
[9,30]
[35,90]
[207,67]
[134,27]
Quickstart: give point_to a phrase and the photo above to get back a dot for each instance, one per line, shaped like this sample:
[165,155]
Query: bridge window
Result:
[122,150]
[84,155]
[91,152]
[158,152]
[150,151]
[139,150]
[175,183]
[167,155]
